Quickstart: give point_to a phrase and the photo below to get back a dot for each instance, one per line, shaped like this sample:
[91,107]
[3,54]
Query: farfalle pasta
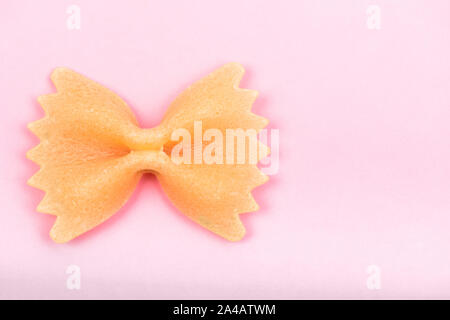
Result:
[92,154]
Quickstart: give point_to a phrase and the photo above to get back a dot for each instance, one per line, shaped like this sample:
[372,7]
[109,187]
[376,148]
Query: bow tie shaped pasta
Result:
[92,154]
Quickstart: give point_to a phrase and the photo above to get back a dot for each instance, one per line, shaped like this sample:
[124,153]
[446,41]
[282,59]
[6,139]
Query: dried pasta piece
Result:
[92,153]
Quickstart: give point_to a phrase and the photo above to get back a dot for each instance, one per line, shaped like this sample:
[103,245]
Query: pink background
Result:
[364,173]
